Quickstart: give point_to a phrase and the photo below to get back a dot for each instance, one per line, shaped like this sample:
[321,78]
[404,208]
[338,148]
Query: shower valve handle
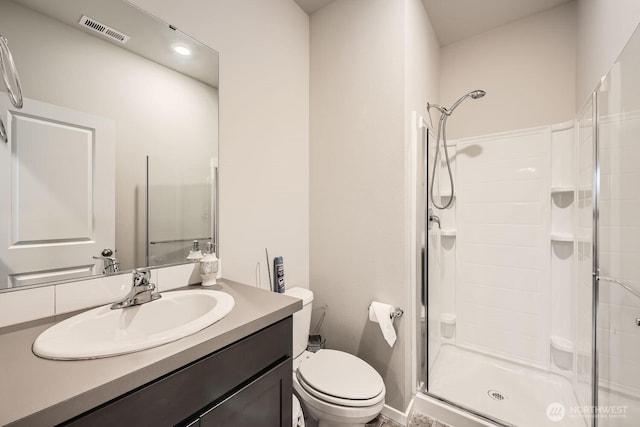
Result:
[433,218]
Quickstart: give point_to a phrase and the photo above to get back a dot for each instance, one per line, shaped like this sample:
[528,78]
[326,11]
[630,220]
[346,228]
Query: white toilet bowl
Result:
[336,388]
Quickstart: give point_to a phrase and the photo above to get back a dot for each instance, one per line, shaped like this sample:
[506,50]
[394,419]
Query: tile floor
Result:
[417,420]
[420,420]
[382,421]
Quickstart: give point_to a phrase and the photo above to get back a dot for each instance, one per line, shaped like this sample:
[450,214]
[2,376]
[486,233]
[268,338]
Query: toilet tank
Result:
[301,319]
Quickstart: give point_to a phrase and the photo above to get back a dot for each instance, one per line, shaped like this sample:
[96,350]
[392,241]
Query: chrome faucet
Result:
[141,291]
[111,263]
[433,218]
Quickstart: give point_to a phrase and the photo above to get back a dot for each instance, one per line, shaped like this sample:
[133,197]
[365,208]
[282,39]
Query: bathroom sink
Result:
[103,332]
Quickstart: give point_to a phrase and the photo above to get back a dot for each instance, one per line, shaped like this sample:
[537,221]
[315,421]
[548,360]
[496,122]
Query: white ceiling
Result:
[311,6]
[455,20]
[150,37]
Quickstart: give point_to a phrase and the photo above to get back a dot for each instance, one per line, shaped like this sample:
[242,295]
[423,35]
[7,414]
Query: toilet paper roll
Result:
[381,313]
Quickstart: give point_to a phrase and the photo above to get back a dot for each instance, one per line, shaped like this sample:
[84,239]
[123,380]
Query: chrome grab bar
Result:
[157,242]
[6,60]
[625,285]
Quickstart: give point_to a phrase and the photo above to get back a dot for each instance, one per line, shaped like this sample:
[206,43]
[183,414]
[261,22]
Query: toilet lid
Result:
[339,374]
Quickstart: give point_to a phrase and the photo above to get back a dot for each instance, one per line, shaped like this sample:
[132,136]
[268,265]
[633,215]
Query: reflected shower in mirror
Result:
[105,86]
[181,205]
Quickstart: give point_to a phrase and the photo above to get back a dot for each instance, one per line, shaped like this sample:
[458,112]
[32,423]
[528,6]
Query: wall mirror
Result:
[116,146]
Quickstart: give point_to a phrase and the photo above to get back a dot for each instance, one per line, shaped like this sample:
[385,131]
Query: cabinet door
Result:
[264,402]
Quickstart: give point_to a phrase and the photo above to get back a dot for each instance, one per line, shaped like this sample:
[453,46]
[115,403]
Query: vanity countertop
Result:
[41,392]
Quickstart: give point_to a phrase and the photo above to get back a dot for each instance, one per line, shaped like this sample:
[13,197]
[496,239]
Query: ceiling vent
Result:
[103,29]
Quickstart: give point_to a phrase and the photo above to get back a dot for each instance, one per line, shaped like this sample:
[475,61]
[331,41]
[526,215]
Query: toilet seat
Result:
[341,379]
[329,412]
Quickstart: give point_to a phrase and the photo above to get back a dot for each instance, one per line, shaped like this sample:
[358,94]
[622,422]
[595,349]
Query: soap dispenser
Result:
[194,254]
[209,266]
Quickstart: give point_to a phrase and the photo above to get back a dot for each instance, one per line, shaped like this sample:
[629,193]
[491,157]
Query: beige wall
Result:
[421,74]
[264,127]
[604,27]
[357,185]
[527,68]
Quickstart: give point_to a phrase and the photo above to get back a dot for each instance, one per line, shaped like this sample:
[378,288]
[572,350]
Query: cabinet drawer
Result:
[183,393]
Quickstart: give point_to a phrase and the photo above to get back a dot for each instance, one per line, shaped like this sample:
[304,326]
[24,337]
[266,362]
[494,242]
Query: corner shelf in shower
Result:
[448,232]
[562,237]
[562,189]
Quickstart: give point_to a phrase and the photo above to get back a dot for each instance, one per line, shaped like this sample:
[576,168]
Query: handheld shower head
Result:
[473,94]
[442,135]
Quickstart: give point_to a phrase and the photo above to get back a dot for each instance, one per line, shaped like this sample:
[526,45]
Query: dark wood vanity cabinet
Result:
[260,403]
[248,383]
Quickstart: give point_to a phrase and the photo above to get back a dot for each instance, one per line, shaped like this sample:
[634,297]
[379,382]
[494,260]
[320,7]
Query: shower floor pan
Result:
[507,391]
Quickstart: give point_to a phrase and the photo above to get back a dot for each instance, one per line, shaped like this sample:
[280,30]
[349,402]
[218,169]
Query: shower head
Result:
[444,115]
[473,94]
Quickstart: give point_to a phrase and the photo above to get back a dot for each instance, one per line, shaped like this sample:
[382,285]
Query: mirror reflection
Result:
[116,145]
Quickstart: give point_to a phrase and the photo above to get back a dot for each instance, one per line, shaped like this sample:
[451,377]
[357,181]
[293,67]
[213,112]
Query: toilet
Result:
[336,388]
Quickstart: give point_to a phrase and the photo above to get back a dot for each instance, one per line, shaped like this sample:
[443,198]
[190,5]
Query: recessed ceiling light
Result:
[182,50]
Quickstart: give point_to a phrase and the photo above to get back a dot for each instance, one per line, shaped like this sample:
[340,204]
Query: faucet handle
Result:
[111,263]
[107,252]
[141,276]
[141,292]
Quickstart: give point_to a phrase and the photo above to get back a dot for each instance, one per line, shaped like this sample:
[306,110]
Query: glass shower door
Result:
[619,251]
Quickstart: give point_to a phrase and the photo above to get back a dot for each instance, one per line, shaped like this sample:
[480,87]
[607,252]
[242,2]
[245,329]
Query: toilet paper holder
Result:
[398,312]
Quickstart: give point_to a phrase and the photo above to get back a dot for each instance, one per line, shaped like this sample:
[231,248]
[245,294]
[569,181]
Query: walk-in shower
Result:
[527,294]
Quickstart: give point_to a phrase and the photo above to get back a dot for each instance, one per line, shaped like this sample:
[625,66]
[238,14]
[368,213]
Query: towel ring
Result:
[14,89]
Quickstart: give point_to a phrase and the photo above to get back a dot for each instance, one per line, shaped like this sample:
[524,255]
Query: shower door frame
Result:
[595,247]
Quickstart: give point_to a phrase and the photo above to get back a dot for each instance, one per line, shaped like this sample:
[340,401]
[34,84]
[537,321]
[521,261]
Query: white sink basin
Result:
[103,332]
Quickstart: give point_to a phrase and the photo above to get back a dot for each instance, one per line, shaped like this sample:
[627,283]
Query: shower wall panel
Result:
[503,266]
[562,253]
